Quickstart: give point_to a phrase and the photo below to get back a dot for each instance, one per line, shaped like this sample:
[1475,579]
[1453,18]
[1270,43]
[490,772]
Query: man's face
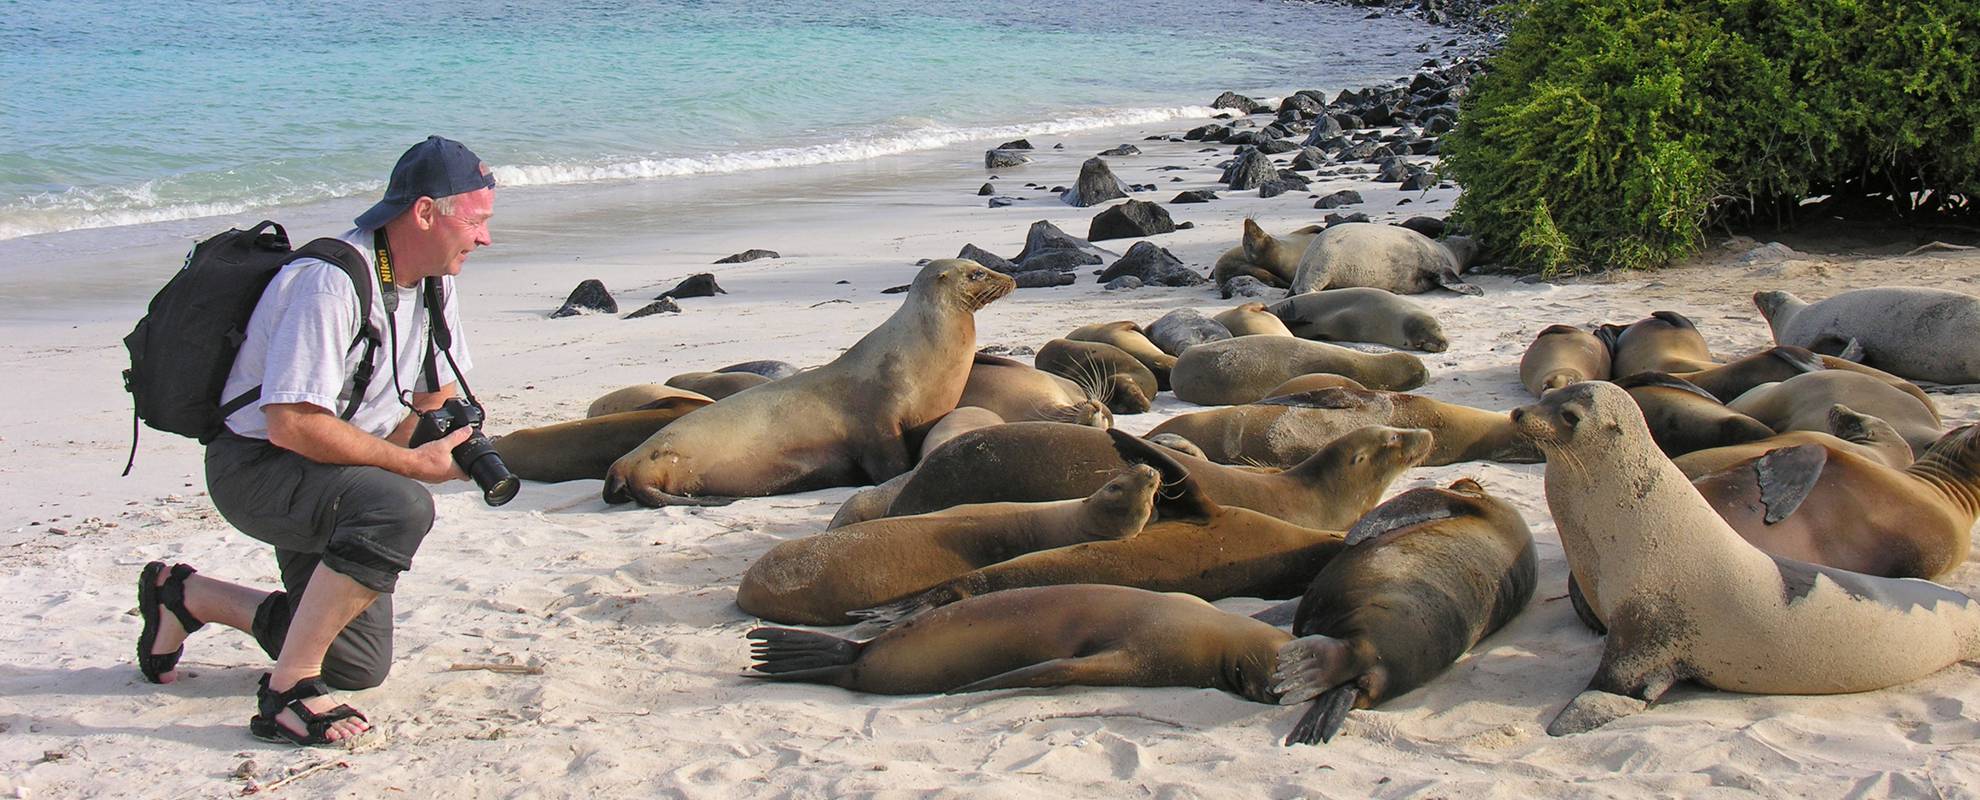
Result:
[460,233]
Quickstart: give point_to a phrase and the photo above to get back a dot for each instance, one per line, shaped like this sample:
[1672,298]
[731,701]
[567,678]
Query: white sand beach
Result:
[626,615]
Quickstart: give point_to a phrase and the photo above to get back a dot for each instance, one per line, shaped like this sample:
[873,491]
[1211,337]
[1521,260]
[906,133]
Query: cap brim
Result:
[375,217]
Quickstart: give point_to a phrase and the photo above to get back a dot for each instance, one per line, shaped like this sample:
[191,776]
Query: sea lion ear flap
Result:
[1786,476]
[1406,510]
[1179,496]
[1449,279]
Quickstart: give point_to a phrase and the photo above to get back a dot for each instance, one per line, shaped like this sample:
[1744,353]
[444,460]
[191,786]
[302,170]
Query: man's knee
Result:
[351,677]
[378,527]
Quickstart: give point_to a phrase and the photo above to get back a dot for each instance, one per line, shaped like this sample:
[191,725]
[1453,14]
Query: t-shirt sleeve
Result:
[312,335]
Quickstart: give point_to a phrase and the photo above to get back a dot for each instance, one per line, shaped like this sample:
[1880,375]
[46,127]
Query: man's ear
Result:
[425,213]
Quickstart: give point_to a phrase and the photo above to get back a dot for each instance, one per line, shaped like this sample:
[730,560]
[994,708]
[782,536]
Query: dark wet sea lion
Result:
[1685,597]
[1131,340]
[1561,355]
[1362,315]
[1684,418]
[1286,430]
[1043,636]
[584,449]
[817,579]
[1244,369]
[632,398]
[1423,578]
[1665,341]
[845,423]
[1019,392]
[1802,403]
[1179,330]
[1120,380]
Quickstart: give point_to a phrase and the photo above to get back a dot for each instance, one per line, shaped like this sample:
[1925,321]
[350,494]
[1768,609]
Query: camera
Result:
[476,456]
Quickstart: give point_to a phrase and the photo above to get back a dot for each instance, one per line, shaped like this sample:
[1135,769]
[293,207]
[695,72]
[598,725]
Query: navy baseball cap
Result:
[438,167]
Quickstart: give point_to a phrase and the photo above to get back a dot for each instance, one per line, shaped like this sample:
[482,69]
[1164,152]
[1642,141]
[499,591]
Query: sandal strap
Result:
[172,595]
[315,724]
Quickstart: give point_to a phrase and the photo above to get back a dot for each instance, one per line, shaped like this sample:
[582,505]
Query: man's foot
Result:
[304,713]
[167,623]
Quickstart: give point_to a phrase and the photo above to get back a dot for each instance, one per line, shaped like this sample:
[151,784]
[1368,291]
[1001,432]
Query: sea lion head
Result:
[1256,242]
[1957,453]
[1424,333]
[962,284]
[1361,464]
[1122,506]
[1770,302]
[1396,372]
[1464,249]
[1581,415]
[1089,412]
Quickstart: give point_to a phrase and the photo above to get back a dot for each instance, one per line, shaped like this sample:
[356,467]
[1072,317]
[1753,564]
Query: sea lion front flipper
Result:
[1592,709]
[1852,351]
[1799,358]
[1325,716]
[1096,669]
[1582,610]
[1337,397]
[1449,279]
[1179,496]
[1786,476]
[1406,510]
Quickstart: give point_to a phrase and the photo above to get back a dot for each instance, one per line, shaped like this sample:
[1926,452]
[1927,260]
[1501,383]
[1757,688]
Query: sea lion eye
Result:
[1570,417]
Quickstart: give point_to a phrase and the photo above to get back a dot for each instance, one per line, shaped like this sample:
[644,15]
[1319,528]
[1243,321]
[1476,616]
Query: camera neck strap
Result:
[438,337]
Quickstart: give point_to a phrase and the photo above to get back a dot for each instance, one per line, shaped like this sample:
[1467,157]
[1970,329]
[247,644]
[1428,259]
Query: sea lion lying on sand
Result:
[1917,333]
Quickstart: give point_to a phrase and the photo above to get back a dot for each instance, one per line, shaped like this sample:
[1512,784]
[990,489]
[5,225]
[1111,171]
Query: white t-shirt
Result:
[299,346]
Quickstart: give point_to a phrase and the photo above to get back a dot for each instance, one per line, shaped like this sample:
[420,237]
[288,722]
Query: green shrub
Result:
[1613,133]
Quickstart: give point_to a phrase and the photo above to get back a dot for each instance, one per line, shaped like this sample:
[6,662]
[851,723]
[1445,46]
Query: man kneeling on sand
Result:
[339,498]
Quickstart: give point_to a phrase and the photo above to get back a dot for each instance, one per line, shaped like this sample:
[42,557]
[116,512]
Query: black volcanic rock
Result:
[700,284]
[1343,197]
[1195,196]
[1251,170]
[590,295]
[1096,185]
[998,159]
[1016,144]
[1043,278]
[747,255]
[1154,266]
[1123,150]
[664,305]
[1134,218]
[988,259]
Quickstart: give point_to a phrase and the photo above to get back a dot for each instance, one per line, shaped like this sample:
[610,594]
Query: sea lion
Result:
[631,398]
[953,424]
[1182,329]
[1116,378]
[1194,545]
[1560,355]
[817,579]
[1041,636]
[1801,403]
[717,385]
[1362,314]
[1312,382]
[845,423]
[1686,598]
[1243,370]
[584,449]
[772,369]
[1251,319]
[1271,259]
[1684,418]
[1916,333]
[1423,578]
[1861,434]
[1730,380]
[1131,340]
[1665,341]
[1383,257]
[1037,461]
[1286,430]
[1016,392]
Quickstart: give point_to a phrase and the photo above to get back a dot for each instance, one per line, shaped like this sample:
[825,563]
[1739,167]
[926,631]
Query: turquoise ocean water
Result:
[115,112]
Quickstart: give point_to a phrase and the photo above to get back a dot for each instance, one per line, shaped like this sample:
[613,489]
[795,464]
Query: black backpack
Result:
[184,346]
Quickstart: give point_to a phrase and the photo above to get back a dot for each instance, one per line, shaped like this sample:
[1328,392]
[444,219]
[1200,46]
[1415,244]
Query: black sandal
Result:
[271,702]
[171,595]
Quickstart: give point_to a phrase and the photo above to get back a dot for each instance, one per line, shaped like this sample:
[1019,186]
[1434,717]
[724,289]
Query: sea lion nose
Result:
[1518,414]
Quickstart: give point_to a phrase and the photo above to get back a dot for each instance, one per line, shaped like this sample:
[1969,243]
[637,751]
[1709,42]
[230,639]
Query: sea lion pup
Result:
[717,385]
[1921,334]
[1383,257]
[635,397]
[1423,578]
[1849,431]
[1665,341]
[1270,259]
[845,423]
[1194,545]
[1361,314]
[1184,328]
[1561,355]
[1118,379]
[1686,598]
[1242,370]
[585,449]
[1017,392]
[1042,636]
[1251,319]
[817,579]
[1131,340]
[1831,506]
[1684,418]
[1038,461]
[1801,403]
[1312,382]
[1288,429]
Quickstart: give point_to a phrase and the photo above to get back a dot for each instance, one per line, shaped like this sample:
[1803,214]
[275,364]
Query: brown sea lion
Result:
[1423,578]
[1918,333]
[1730,380]
[1270,259]
[1849,431]
[584,449]
[632,398]
[1117,378]
[1244,369]
[1251,319]
[1286,430]
[845,423]
[1043,636]
[1311,382]
[1384,257]
[1132,340]
[1684,418]
[1037,461]
[817,579]
[1183,328]
[717,385]
[1018,392]
[1801,403]
[1665,341]
[1685,597]
[1362,314]
[1560,355]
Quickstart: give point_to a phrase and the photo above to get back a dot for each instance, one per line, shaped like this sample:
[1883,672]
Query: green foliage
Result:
[1612,133]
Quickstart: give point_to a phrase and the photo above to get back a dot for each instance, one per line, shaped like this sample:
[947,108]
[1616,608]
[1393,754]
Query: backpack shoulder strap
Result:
[347,258]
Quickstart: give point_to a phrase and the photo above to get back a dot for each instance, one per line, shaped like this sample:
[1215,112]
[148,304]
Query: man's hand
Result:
[433,462]
[318,435]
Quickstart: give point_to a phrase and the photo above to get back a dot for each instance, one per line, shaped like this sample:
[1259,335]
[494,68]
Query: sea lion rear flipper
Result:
[1281,615]
[1179,496]
[1786,476]
[1405,510]
[1450,280]
[788,654]
[1325,716]
[1096,669]
[1340,397]
[888,614]
[1798,357]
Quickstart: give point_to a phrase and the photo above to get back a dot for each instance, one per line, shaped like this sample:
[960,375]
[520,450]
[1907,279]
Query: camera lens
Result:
[478,459]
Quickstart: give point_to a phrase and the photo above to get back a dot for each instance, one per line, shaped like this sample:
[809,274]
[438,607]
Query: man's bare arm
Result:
[318,435]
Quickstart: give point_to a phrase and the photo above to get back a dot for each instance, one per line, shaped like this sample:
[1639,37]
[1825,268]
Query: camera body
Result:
[476,456]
